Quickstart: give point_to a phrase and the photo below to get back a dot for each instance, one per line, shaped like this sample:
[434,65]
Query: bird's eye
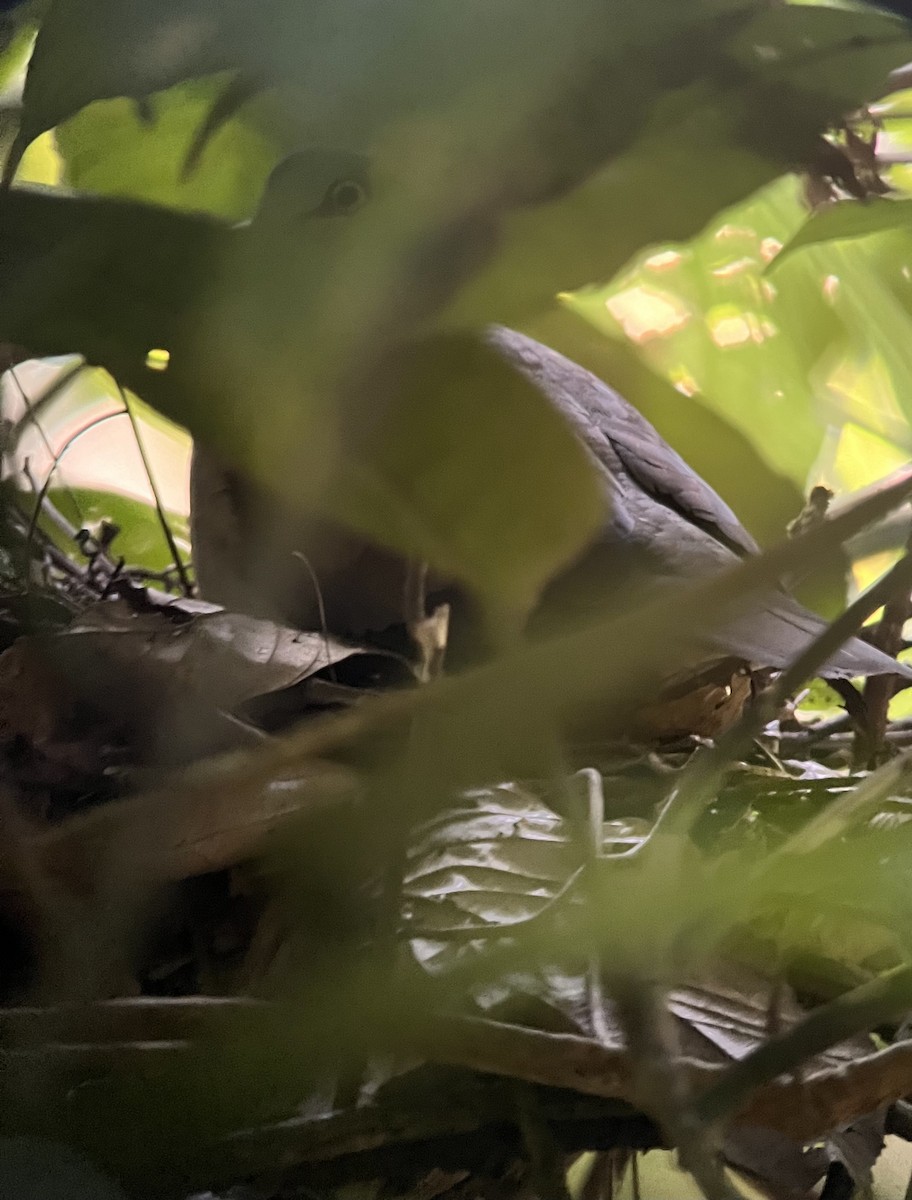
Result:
[345,196]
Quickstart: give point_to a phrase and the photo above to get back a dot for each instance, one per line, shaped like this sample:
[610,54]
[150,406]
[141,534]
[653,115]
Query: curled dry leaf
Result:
[223,658]
[158,683]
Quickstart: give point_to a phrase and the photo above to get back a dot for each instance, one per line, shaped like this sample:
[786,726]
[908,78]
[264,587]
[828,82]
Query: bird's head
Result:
[313,184]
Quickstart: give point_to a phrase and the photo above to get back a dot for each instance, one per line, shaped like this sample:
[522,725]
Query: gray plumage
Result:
[667,522]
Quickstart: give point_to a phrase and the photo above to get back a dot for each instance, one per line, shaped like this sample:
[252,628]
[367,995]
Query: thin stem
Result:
[179,566]
[702,775]
[32,410]
[883,999]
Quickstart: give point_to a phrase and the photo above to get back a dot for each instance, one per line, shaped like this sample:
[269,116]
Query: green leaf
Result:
[538,187]
[341,52]
[847,219]
[98,49]
[110,279]
[463,464]
[108,149]
[752,107]
[701,314]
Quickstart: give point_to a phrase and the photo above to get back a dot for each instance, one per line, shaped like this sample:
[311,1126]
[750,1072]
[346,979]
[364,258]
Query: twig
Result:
[301,557]
[34,407]
[661,1084]
[847,808]
[801,1109]
[858,1011]
[878,692]
[701,777]
[46,486]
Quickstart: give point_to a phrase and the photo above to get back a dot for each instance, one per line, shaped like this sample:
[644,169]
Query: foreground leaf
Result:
[464,468]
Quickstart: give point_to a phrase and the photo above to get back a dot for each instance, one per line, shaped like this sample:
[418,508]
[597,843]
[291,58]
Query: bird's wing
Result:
[777,628]
[662,507]
[619,436]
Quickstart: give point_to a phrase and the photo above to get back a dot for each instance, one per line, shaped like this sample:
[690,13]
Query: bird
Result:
[663,525]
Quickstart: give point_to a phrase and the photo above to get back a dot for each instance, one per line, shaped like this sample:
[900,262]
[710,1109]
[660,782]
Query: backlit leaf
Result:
[849,219]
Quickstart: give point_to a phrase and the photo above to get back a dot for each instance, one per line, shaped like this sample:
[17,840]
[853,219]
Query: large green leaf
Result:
[787,358]
[465,463]
[105,48]
[359,65]
[430,481]
[106,278]
[701,313]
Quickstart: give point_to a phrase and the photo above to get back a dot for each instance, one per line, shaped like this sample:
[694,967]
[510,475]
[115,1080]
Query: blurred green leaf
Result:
[17,30]
[122,48]
[848,219]
[461,464]
[339,52]
[109,149]
[702,315]
[686,96]
[109,278]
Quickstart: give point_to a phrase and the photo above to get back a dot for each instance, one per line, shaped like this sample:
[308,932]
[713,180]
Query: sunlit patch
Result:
[768,290]
[730,331]
[867,571]
[735,268]
[729,327]
[901,706]
[830,288]
[683,381]
[158,360]
[665,260]
[726,232]
[874,430]
[644,314]
[769,248]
